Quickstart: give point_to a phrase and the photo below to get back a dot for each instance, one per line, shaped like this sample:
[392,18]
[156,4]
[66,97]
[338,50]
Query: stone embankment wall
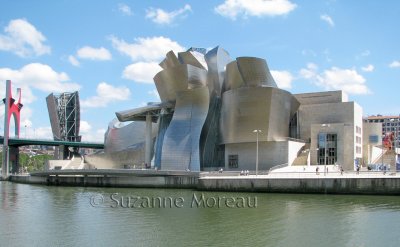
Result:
[384,186]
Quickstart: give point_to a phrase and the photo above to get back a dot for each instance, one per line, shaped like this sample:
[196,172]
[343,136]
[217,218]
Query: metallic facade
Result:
[248,108]
[209,101]
[181,145]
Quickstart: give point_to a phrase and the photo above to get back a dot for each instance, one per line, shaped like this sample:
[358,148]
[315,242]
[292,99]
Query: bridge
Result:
[66,130]
[17,142]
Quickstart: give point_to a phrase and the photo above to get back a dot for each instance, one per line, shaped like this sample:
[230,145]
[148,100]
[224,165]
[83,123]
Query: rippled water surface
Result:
[33,215]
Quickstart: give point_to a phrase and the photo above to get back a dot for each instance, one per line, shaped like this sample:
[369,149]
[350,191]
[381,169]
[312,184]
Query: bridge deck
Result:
[25,142]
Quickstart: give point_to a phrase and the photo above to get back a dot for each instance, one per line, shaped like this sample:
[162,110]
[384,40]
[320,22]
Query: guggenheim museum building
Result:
[216,110]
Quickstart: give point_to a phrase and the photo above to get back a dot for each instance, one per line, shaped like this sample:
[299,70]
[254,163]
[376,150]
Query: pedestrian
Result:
[358,169]
[316,170]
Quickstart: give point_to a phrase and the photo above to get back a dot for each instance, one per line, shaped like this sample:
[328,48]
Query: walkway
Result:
[302,172]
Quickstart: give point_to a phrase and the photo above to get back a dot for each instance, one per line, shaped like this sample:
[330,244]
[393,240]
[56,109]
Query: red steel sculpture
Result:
[12,108]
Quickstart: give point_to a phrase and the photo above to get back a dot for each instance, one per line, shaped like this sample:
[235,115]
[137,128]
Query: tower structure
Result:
[12,108]
[64,113]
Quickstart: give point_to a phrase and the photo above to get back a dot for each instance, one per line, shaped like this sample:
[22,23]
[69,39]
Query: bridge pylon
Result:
[11,108]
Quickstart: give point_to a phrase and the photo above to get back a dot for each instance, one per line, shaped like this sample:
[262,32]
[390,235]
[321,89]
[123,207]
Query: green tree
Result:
[31,163]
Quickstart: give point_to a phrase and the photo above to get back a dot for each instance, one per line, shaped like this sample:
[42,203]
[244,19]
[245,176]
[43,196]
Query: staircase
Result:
[76,163]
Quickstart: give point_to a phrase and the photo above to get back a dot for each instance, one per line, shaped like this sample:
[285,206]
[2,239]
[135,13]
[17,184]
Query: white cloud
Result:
[365,53]
[26,114]
[23,39]
[124,9]
[154,93]
[39,76]
[106,94]
[335,78]
[309,72]
[84,127]
[40,133]
[395,64]
[308,52]
[160,16]
[141,71]
[368,68]
[146,49]
[234,8]
[91,53]
[94,136]
[282,78]
[73,60]
[327,19]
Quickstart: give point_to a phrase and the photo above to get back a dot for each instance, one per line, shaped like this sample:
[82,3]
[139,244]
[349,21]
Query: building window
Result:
[358,140]
[358,130]
[327,148]
[373,138]
[233,161]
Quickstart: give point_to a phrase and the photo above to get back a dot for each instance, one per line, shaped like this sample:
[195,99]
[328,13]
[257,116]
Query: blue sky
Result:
[109,50]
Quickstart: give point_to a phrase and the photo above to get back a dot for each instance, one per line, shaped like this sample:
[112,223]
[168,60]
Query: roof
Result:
[382,117]
[139,114]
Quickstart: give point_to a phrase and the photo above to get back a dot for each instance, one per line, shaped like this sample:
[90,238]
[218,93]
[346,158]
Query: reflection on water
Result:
[63,216]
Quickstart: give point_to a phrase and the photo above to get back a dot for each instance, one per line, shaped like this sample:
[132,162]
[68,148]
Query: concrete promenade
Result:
[277,181]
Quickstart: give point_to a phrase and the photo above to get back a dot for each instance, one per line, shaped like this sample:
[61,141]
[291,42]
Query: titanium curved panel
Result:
[233,77]
[169,81]
[216,60]
[170,61]
[188,58]
[181,143]
[255,72]
[248,108]
[197,78]
[121,136]
[179,78]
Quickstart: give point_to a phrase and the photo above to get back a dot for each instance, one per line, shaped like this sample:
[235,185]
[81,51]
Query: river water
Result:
[32,215]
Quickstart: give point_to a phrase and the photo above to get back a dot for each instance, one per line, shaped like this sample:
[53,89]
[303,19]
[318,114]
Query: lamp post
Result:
[257,131]
[326,140]
[383,137]
[395,142]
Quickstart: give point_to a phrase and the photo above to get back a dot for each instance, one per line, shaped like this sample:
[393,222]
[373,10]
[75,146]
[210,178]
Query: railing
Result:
[336,174]
[230,173]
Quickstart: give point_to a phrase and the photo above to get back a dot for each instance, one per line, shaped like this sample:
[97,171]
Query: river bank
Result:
[349,183]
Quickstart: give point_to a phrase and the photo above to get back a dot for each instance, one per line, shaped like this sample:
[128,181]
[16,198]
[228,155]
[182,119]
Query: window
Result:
[327,148]
[233,161]
[373,138]
[358,130]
